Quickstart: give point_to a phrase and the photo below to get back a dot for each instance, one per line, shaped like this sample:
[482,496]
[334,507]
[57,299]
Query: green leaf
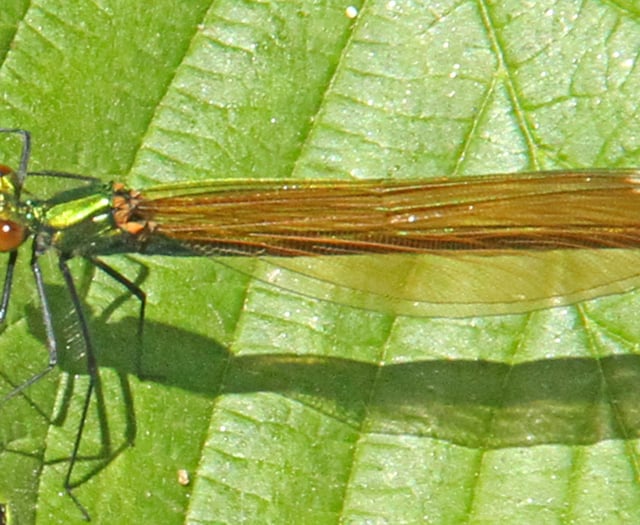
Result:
[283,408]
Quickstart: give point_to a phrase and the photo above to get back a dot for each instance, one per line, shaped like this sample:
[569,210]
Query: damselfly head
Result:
[13,229]
[12,234]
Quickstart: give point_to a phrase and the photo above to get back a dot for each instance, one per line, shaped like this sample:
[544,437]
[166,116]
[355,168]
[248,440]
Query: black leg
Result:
[92,369]
[48,325]
[6,289]
[133,289]
[26,152]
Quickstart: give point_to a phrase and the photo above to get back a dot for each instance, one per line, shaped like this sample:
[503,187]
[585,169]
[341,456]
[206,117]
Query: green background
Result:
[281,408]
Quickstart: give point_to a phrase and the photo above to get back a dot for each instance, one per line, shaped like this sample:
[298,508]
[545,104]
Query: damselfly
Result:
[434,247]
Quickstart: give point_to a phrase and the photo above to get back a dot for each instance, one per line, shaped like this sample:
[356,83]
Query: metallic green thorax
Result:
[77,222]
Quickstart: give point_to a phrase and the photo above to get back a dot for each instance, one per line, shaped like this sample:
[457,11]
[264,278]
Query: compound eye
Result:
[11,235]
[5,170]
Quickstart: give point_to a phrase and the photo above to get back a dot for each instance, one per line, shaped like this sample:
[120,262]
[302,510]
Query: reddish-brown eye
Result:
[5,170]
[11,235]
